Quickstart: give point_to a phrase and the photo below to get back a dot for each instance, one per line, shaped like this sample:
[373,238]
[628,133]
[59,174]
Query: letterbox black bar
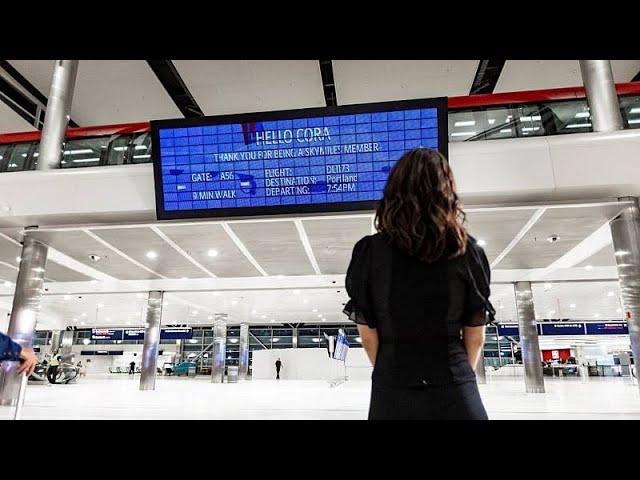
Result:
[18,102]
[326,71]
[487,76]
[172,82]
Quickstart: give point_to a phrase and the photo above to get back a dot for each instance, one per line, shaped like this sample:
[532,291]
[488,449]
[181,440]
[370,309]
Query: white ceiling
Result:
[122,91]
[107,91]
[241,86]
[303,259]
[361,81]
[520,75]
[11,122]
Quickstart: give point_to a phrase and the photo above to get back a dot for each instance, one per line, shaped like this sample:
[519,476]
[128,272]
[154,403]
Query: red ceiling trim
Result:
[455,103]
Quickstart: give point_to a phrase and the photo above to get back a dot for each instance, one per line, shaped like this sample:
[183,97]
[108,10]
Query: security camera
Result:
[553,238]
[94,257]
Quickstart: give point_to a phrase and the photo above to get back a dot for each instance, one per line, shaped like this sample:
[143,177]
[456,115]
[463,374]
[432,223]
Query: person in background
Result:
[52,371]
[419,292]
[278,367]
[132,368]
[83,369]
[14,352]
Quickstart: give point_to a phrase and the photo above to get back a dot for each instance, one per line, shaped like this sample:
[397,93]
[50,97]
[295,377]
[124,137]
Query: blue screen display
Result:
[561,328]
[176,333]
[611,328]
[508,330]
[322,159]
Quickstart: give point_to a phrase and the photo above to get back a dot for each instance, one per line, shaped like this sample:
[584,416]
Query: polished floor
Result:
[118,397]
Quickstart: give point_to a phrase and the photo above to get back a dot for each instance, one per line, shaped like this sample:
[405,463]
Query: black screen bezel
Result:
[439,103]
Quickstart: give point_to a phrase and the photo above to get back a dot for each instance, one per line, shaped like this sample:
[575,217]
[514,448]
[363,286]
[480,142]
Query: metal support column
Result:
[151,341]
[66,342]
[219,351]
[625,231]
[243,363]
[601,95]
[481,375]
[533,379]
[24,312]
[56,339]
[58,113]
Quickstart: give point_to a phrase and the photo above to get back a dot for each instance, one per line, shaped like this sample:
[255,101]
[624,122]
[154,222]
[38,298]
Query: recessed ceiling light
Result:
[481,242]
[263,316]
[610,294]
[315,340]
[253,312]
[491,121]
[272,320]
[212,252]
[304,300]
[324,319]
[83,314]
[501,307]
[596,315]
[275,339]
[151,254]
[465,123]
[573,305]
[233,340]
[582,115]
[589,267]
[319,315]
[315,310]
[86,341]
[463,134]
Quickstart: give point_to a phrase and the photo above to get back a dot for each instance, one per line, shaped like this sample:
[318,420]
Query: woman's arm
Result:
[473,338]
[369,337]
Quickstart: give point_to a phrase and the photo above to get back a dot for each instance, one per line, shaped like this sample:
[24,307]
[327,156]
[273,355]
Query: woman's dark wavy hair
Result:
[420,211]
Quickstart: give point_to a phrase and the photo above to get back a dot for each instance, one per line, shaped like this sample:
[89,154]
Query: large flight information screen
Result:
[297,161]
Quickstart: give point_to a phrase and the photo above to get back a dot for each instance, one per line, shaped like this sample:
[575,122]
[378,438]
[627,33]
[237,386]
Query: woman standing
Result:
[419,293]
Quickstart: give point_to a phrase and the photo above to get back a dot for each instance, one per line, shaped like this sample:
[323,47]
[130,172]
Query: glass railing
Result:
[532,120]
[560,117]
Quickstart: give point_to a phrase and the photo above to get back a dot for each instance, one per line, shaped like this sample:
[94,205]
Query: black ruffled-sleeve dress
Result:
[418,310]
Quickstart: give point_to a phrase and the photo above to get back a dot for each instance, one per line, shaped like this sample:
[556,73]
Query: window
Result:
[141,149]
[85,152]
[118,150]
[630,108]
[18,157]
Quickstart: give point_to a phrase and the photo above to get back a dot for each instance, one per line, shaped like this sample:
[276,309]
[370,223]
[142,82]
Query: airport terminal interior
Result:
[171,229]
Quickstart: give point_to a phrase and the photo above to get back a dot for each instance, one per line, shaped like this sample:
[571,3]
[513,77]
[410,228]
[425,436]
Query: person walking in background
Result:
[419,292]
[82,369]
[54,364]
[14,352]
[278,367]
[132,368]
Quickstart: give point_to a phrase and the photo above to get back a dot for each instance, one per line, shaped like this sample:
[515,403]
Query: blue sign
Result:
[508,330]
[176,333]
[342,346]
[106,334]
[134,334]
[561,328]
[311,160]
[610,328]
